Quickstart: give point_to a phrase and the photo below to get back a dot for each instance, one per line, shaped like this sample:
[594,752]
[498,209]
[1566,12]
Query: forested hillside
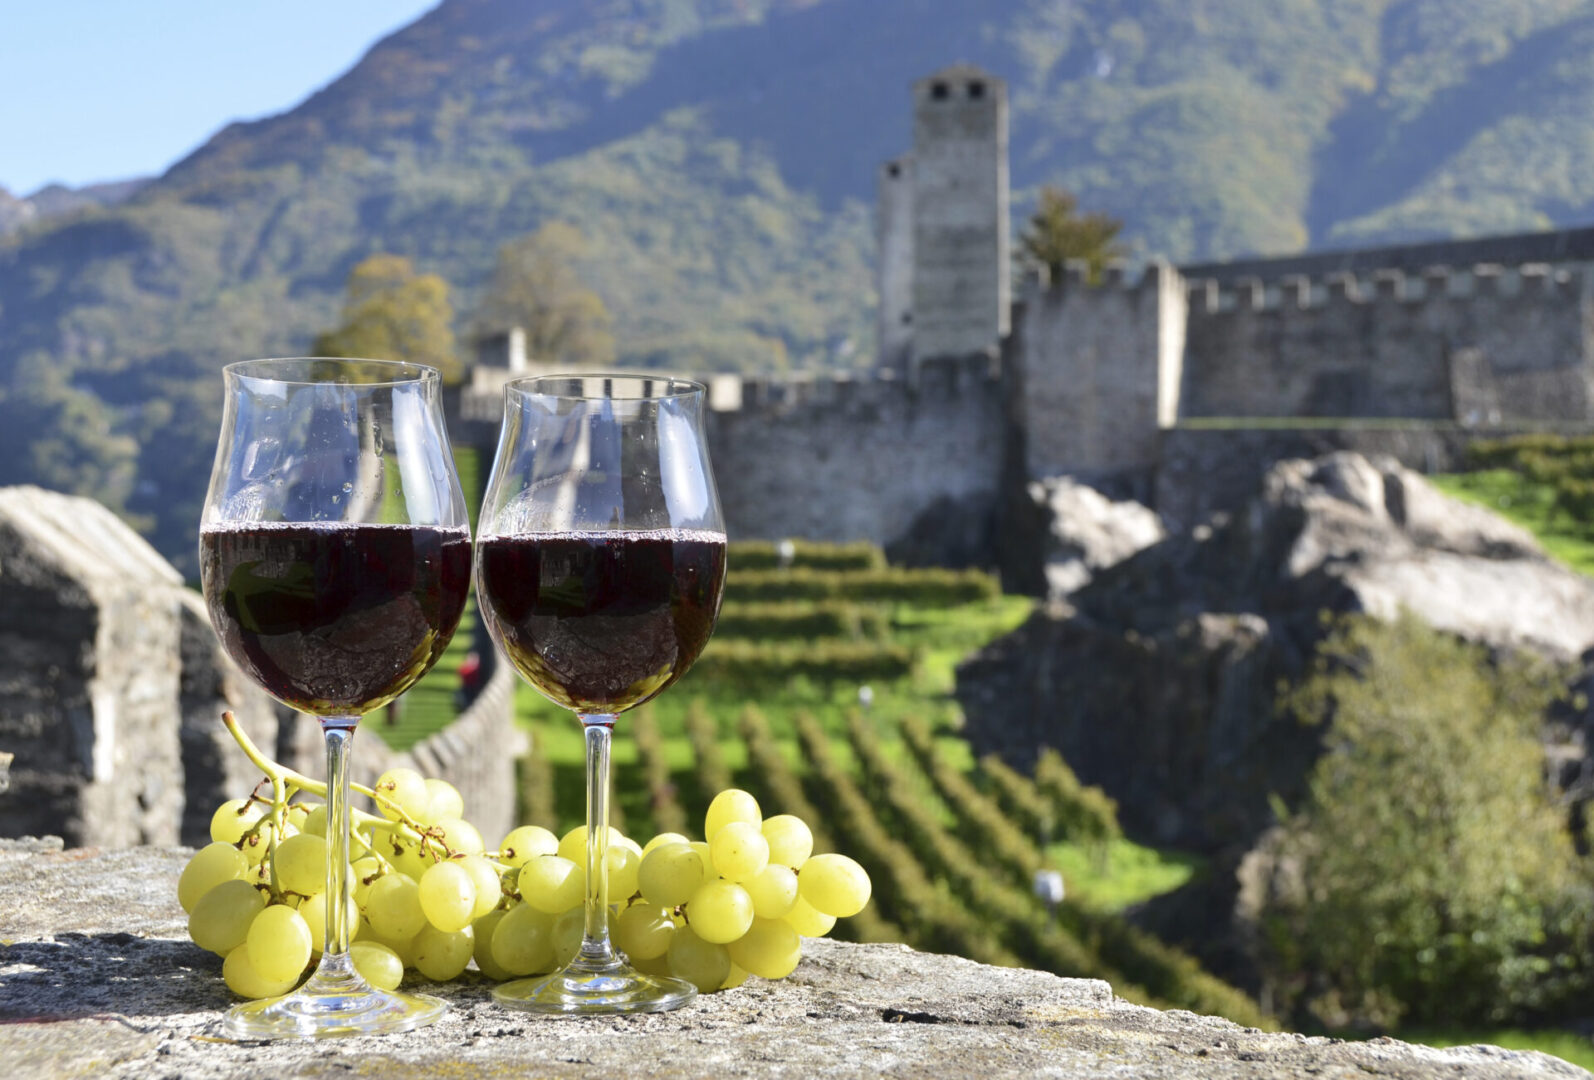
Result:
[719,156]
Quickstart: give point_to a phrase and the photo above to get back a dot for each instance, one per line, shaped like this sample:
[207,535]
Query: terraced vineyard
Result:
[952,845]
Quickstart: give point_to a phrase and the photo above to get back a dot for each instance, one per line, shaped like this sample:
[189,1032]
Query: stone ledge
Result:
[97,979]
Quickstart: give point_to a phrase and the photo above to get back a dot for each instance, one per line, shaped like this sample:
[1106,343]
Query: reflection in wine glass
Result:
[599,572]
[335,558]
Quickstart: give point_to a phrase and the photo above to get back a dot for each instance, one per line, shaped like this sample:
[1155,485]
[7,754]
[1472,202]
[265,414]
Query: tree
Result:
[393,313]
[537,287]
[1433,880]
[1057,232]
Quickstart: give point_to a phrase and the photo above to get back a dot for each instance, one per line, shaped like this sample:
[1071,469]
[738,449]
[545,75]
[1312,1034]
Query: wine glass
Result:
[599,570]
[335,555]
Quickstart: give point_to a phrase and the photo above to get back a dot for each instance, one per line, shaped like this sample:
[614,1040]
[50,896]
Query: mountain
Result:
[719,155]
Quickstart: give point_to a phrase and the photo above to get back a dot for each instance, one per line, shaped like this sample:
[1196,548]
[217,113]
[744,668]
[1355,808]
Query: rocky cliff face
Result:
[1157,680]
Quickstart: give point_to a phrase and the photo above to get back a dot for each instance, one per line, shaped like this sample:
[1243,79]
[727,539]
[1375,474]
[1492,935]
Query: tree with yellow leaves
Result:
[393,313]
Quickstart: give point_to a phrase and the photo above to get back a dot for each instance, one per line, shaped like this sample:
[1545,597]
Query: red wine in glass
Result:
[335,618]
[602,621]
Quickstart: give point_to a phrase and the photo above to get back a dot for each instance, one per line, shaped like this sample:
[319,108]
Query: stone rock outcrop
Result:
[214,768]
[89,672]
[848,1011]
[1086,532]
[1158,682]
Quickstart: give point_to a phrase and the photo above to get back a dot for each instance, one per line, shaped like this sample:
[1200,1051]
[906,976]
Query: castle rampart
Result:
[1486,344]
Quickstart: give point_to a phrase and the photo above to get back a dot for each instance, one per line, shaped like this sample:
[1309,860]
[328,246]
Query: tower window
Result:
[939,91]
[976,90]
[907,317]
[893,170]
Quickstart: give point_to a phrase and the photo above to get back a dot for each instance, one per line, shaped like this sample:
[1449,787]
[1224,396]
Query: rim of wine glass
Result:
[403,371]
[675,386]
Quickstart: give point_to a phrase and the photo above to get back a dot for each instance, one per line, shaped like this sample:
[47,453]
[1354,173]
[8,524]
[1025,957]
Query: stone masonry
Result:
[97,979]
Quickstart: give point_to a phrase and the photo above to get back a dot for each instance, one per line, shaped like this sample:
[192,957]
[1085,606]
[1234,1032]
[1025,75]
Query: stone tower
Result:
[960,246]
[894,268]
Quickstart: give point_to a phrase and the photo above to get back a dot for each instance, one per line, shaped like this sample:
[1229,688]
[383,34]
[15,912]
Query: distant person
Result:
[470,679]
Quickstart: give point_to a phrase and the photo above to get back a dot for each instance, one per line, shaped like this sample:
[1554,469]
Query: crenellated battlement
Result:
[938,379]
[1435,284]
[1116,278]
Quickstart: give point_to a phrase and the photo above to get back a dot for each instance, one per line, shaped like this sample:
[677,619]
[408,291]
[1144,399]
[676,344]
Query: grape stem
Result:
[282,778]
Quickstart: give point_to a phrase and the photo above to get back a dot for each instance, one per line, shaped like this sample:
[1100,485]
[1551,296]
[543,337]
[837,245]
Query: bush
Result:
[754,665]
[1434,882]
[893,585]
[762,555]
[801,621]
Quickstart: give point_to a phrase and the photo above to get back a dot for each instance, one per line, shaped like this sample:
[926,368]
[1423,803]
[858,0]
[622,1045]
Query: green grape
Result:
[573,845]
[489,890]
[701,963]
[527,842]
[448,896]
[301,864]
[662,839]
[210,866]
[770,949]
[739,851]
[364,873]
[403,948]
[413,858]
[279,943]
[834,885]
[568,930]
[442,955]
[233,818]
[625,867]
[720,911]
[242,978]
[732,804]
[257,844]
[220,920]
[669,875]
[522,941]
[790,840]
[443,801]
[403,791]
[552,884]
[393,908]
[315,823]
[314,910]
[377,964]
[258,875]
[643,931]
[737,976]
[460,836]
[298,814]
[806,921]
[653,965]
[482,944]
[774,891]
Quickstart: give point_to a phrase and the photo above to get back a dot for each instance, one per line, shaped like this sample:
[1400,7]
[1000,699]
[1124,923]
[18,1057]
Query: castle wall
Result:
[857,459]
[1090,362]
[1481,346]
[894,264]
[961,256]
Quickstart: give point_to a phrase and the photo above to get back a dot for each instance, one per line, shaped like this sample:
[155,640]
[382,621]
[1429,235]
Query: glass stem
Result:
[595,942]
[338,738]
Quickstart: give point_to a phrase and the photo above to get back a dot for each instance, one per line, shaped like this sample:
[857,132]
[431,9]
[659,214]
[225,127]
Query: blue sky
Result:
[95,90]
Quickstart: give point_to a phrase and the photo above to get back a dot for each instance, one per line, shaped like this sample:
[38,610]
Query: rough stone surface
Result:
[1158,682]
[97,979]
[89,625]
[1087,532]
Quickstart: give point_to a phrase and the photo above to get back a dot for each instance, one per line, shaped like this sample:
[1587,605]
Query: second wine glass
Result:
[599,571]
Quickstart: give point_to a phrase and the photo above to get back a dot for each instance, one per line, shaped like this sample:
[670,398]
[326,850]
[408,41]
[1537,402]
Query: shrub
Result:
[762,555]
[929,588]
[801,621]
[1434,880]
[755,665]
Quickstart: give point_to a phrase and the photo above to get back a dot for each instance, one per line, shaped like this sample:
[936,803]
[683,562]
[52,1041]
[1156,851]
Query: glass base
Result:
[594,987]
[334,1003]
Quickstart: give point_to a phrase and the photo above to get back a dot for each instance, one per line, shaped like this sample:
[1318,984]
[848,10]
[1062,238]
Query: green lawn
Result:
[1514,497]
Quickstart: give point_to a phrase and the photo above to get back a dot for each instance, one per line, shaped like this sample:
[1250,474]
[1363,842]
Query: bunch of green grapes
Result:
[419,880]
[426,896]
[710,912]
